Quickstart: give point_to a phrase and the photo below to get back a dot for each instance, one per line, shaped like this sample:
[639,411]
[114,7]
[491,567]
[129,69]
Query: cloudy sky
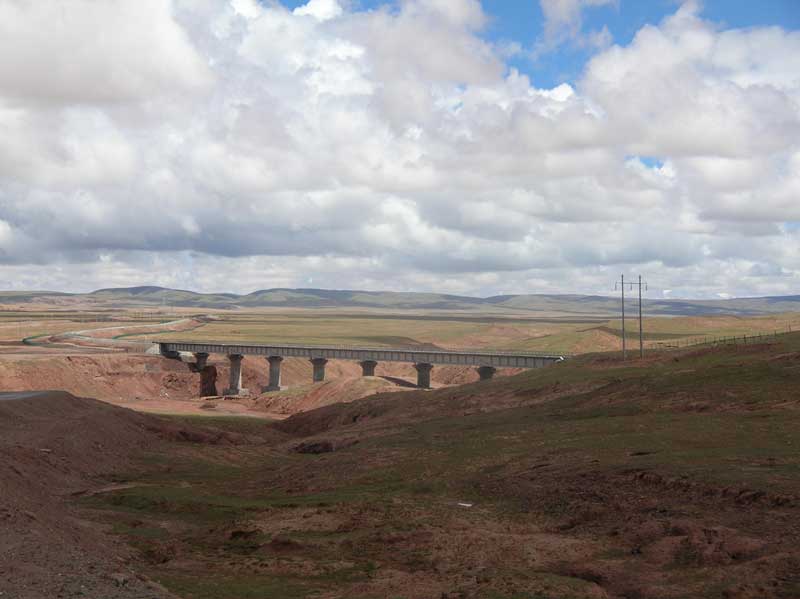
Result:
[420,145]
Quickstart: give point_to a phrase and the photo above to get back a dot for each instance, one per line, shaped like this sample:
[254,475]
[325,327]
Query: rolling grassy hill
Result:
[568,305]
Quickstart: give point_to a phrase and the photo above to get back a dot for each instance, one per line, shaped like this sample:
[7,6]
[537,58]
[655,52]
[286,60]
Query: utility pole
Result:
[622,287]
[641,334]
[621,283]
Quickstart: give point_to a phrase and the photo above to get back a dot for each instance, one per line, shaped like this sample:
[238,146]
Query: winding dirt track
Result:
[111,337]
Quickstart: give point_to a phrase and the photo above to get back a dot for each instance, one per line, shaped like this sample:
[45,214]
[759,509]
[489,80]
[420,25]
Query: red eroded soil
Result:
[311,396]
[343,383]
[118,377]
[155,384]
[297,371]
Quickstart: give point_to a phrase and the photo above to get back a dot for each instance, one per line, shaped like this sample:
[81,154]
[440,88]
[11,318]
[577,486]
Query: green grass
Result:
[189,502]
[233,423]
[254,586]
[387,331]
[139,532]
[716,447]
[192,586]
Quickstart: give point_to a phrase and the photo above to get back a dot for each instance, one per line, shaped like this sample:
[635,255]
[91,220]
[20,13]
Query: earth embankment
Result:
[155,384]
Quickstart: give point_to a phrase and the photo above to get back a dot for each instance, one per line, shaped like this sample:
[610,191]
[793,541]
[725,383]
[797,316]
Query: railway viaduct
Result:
[486,363]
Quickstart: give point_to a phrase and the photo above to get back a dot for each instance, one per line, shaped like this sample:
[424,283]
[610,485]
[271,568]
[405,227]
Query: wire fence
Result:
[711,340]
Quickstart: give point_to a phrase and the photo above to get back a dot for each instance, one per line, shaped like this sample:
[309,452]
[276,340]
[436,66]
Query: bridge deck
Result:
[386,354]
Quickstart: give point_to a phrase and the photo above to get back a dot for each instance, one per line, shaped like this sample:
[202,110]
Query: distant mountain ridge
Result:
[567,304]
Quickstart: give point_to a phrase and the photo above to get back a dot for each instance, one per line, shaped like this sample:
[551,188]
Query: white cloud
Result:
[563,21]
[322,10]
[458,13]
[391,148]
[86,51]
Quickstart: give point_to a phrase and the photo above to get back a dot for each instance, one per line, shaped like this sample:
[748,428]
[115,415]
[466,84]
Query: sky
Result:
[457,146]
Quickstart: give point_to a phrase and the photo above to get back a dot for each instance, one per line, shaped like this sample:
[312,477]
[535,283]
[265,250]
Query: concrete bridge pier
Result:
[274,373]
[368,367]
[423,374]
[208,374]
[319,369]
[235,381]
[200,361]
[486,372]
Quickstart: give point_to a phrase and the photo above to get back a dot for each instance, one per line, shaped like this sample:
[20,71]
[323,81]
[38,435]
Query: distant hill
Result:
[583,305]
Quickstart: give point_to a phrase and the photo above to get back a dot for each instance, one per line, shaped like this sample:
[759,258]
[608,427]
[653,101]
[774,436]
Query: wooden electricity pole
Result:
[641,333]
[622,287]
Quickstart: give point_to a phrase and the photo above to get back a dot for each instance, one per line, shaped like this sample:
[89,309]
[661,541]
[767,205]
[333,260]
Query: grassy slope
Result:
[678,477]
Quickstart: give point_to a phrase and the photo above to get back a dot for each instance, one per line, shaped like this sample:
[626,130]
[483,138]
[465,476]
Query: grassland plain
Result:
[676,476]
[551,334]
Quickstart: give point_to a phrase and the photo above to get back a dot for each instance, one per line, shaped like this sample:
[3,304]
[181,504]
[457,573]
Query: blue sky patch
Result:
[650,161]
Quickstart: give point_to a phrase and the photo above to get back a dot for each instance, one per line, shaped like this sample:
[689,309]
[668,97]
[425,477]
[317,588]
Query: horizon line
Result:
[441,293]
